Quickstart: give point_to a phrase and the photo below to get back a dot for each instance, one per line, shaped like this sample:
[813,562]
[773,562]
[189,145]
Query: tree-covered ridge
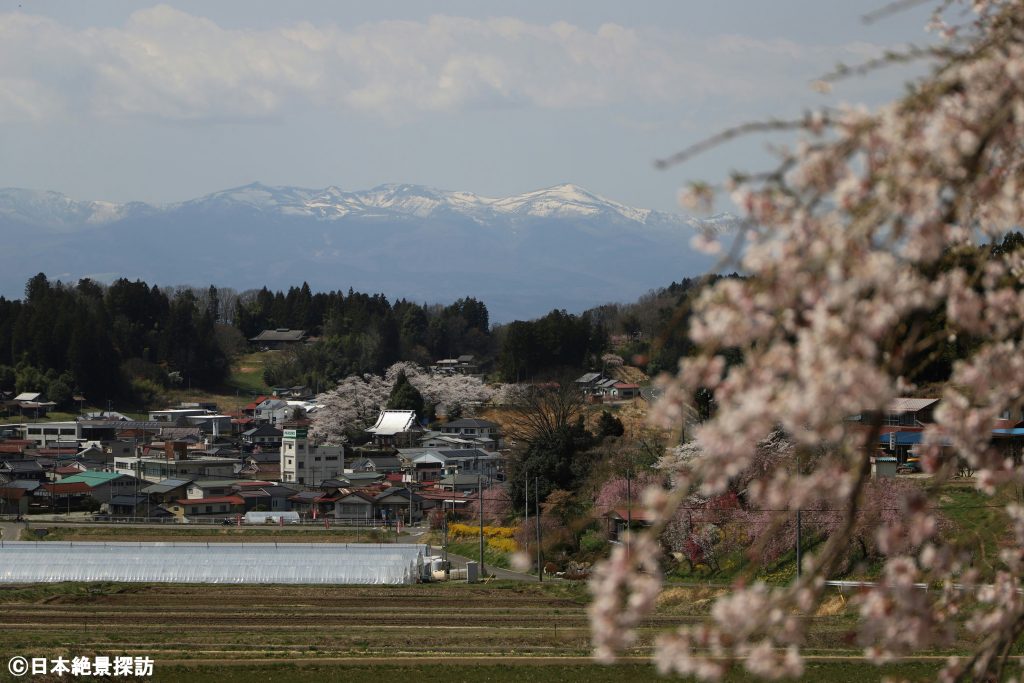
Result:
[86,338]
[358,333]
[129,339]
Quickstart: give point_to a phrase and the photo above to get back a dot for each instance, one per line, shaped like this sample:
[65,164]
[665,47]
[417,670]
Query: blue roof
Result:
[902,438]
[1016,431]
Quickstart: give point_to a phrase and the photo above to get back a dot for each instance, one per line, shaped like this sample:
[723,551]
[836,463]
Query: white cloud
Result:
[165,63]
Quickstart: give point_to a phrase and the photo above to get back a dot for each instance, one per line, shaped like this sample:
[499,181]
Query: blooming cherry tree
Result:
[843,246]
[356,402]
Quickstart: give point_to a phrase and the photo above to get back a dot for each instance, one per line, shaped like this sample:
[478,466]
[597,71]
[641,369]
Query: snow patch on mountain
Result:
[56,211]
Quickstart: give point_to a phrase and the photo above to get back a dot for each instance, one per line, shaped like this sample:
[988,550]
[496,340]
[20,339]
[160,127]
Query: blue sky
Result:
[122,100]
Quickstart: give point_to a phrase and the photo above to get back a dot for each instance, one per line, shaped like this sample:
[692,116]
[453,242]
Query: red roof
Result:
[233,500]
[74,487]
[69,469]
[626,385]
[358,494]
[253,483]
[393,476]
[11,447]
[12,494]
[255,402]
[637,514]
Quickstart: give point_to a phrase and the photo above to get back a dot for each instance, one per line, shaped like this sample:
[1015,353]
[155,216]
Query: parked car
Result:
[911,466]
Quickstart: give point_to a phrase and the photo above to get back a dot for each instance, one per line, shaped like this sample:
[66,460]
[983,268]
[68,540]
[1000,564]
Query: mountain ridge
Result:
[41,207]
[523,255]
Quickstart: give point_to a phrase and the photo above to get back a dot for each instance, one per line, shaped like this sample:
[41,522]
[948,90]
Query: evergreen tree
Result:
[404,396]
[609,425]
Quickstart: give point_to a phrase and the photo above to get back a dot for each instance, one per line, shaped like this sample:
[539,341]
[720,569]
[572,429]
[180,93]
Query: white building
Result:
[42,433]
[303,463]
[173,415]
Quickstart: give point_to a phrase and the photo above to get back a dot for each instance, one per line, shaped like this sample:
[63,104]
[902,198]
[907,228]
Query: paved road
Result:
[459,562]
[10,531]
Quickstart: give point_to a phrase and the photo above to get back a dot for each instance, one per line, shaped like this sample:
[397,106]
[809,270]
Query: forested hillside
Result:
[128,340]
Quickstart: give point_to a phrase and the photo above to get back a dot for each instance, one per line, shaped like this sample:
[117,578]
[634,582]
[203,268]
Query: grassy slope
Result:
[245,381]
[974,522]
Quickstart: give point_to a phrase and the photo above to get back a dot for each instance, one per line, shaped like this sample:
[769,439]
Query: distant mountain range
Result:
[560,247]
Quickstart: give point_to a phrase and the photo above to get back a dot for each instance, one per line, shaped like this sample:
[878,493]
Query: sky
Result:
[121,101]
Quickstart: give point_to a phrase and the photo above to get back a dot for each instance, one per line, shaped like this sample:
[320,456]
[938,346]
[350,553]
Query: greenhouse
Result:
[296,563]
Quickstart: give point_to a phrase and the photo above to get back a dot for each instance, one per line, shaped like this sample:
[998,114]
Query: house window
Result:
[209,508]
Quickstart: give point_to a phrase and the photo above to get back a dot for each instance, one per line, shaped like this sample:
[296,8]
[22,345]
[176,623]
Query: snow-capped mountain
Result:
[558,247]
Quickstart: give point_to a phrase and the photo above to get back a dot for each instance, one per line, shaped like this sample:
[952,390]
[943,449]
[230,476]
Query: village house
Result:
[176,463]
[462,483]
[272,411]
[376,463]
[132,505]
[354,506]
[394,503]
[31,403]
[432,465]
[359,480]
[23,469]
[197,507]
[267,497]
[265,436]
[167,491]
[210,488]
[487,433]
[102,486]
[279,338]
[463,365]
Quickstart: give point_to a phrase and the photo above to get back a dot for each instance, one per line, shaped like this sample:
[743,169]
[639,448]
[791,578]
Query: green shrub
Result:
[593,541]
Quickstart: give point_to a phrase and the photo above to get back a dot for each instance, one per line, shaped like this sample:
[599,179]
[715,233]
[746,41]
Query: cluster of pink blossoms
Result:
[847,250]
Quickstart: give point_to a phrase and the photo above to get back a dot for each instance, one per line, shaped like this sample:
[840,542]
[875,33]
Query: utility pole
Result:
[536,517]
[480,503]
[526,519]
[629,507]
[798,552]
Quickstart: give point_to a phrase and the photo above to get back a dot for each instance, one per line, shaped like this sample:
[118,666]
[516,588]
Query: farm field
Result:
[484,632]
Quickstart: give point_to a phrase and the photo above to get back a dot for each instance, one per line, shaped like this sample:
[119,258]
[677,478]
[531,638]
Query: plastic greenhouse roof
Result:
[280,563]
